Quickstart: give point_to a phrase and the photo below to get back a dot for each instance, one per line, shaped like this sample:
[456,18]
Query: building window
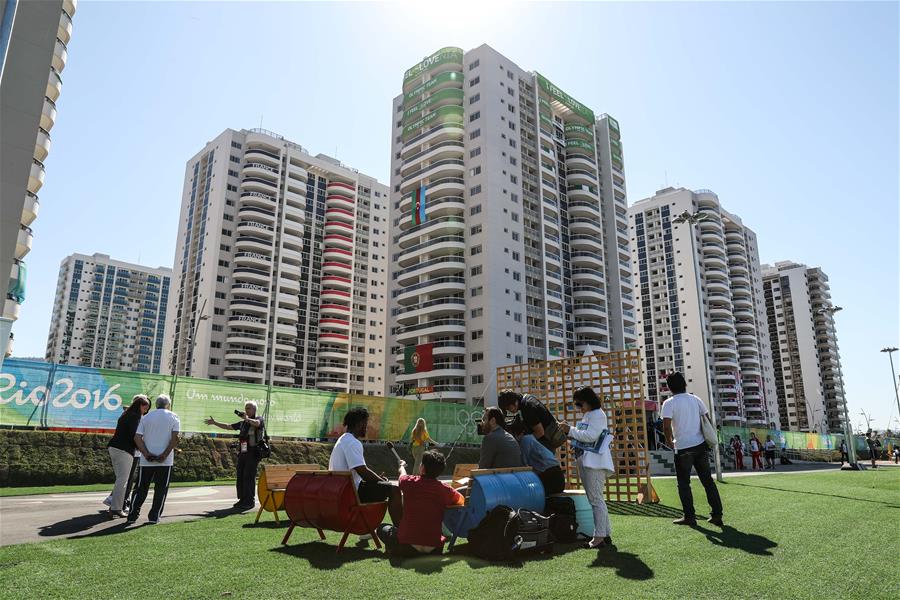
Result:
[475,171]
[473,251]
[477,312]
[476,291]
[475,152]
[477,379]
[476,270]
[475,134]
[475,230]
[477,356]
[474,116]
[475,190]
[474,210]
[473,64]
[474,81]
[477,334]
[474,98]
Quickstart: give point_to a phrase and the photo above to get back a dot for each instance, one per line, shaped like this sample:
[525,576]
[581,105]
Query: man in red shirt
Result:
[424,501]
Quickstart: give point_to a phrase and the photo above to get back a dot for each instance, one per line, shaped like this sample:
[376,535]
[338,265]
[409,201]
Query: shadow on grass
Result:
[777,489]
[325,557]
[626,564]
[267,525]
[643,510]
[74,524]
[729,537]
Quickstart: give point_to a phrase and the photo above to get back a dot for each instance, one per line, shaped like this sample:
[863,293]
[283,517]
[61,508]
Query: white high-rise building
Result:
[713,268]
[520,251]
[281,268]
[805,356]
[109,314]
[33,39]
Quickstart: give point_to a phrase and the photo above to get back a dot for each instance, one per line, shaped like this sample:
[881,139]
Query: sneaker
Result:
[689,521]
[108,501]
[717,521]
[116,514]
[131,519]
[152,522]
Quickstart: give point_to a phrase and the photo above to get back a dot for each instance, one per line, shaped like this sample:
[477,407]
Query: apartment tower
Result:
[509,226]
[33,53]
[280,268]
[109,314]
[807,364]
[700,305]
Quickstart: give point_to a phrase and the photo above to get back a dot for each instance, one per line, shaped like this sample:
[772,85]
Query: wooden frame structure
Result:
[616,378]
[272,484]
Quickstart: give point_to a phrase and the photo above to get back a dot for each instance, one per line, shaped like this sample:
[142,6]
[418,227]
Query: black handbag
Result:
[264,447]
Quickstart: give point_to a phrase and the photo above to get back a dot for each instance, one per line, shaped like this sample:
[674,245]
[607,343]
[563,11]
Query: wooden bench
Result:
[461,471]
[329,500]
[272,483]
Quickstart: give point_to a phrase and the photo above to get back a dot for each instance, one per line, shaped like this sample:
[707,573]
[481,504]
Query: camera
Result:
[239,413]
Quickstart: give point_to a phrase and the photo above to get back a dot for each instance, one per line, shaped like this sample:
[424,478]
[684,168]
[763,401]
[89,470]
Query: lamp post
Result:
[890,351]
[189,352]
[848,431]
[695,219]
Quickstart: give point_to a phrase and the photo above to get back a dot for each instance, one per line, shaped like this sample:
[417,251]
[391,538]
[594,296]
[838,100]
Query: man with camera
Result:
[251,430]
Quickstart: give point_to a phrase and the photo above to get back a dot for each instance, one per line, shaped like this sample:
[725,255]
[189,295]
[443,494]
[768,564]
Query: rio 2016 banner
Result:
[39,394]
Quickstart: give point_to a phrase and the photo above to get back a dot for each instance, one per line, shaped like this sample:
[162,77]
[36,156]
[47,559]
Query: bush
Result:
[34,458]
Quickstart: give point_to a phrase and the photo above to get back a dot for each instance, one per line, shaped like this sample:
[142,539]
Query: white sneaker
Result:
[108,500]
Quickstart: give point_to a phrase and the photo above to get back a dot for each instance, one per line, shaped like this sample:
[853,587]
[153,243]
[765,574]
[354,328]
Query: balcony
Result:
[335,296]
[251,322]
[266,172]
[337,254]
[339,188]
[259,184]
[331,324]
[245,354]
[337,268]
[42,145]
[338,310]
[440,226]
[335,282]
[337,201]
[48,114]
[260,155]
[252,274]
[30,209]
[341,241]
[338,228]
[339,214]
[60,56]
[23,241]
[249,306]
[259,199]
[334,338]
[253,290]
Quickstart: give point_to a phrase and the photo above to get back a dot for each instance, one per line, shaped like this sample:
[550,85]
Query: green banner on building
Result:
[414,94]
[565,99]
[442,56]
[444,114]
[453,94]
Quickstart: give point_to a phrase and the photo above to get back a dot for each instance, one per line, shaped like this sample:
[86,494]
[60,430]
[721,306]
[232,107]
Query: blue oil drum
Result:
[521,489]
[584,514]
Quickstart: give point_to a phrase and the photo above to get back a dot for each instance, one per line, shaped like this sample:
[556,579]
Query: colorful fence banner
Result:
[39,394]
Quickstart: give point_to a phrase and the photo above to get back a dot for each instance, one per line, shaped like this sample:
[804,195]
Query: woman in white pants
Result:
[121,451]
[594,459]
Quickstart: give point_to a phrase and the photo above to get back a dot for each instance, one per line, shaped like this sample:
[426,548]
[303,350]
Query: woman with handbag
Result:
[251,438]
[594,460]
[121,452]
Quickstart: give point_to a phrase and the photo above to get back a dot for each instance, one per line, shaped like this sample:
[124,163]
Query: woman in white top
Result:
[593,458]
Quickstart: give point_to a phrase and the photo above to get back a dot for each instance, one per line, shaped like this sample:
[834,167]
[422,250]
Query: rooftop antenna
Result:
[260,121]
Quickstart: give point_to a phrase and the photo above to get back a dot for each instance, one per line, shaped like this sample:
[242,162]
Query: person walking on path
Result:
[591,440]
[756,452]
[121,451]
[684,431]
[156,438]
[770,453]
[874,448]
[845,457]
[419,439]
[251,429]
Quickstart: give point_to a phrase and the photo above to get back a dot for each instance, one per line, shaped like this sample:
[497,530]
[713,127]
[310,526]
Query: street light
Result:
[848,431]
[695,219]
[890,352]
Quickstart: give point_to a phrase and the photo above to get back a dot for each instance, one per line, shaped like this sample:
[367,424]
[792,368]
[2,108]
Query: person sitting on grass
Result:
[543,461]
[499,449]
[347,455]
[424,501]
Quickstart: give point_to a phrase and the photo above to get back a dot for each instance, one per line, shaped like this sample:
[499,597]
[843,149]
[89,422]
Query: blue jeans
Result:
[696,457]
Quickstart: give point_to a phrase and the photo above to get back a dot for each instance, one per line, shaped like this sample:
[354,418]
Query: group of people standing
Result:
[758,451]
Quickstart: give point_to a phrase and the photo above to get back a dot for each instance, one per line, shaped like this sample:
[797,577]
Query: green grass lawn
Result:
[820,535]
[93,487]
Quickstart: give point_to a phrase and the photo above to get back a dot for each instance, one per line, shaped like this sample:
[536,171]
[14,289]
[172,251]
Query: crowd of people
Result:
[759,450]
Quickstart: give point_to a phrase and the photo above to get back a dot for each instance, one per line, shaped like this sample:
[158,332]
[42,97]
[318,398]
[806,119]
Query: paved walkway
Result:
[71,515]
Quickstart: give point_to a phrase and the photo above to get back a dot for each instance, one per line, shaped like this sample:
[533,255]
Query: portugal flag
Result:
[418,206]
[418,359]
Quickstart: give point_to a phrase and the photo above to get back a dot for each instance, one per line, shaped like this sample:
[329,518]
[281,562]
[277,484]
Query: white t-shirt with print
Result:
[685,410]
[157,427]
[347,455]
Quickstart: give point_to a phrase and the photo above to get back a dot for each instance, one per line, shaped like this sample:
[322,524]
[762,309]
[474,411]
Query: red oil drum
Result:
[328,501]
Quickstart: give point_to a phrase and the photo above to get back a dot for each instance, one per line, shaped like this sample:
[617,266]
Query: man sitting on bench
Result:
[424,501]
[347,455]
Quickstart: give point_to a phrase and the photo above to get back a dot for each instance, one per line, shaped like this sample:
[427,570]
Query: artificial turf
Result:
[817,535]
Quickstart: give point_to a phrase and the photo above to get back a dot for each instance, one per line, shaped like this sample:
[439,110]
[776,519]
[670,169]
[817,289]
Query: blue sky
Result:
[789,111]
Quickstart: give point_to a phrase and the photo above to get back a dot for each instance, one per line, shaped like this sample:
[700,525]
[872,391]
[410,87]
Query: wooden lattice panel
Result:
[616,378]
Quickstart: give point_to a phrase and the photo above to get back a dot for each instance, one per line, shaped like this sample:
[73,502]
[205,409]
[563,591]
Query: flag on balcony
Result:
[418,359]
[418,206]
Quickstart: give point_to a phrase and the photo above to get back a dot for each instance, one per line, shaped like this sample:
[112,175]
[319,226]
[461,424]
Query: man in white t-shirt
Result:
[156,439]
[347,455]
[682,414]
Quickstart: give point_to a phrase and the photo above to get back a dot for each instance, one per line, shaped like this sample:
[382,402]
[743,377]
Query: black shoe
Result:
[689,521]
[244,507]
[717,521]
[131,519]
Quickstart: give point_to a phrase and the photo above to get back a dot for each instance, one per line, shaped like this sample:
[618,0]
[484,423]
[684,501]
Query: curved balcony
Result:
[336,310]
[334,324]
[60,56]
[448,167]
[246,354]
[250,243]
[293,229]
[437,206]
[337,254]
[251,322]
[583,225]
[332,367]
[335,282]
[585,209]
[588,242]
[334,338]
[717,286]
[445,307]
[256,260]
[580,161]
[297,173]
[252,275]
[35,177]
[335,296]
[264,215]
[588,293]
[249,306]
[254,198]
[255,169]
[590,327]
[339,214]
[251,289]
[446,149]
[255,229]
[338,228]
[441,265]
[582,192]
[742,302]
[246,338]
[451,130]
[337,268]
[714,261]
[341,241]
[262,156]
[339,188]
[337,201]
[429,328]
[30,209]
[54,85]
[48,114]
[445,285]
[448,244]
[259,184]
[243,372]
[42,145]
[432,227]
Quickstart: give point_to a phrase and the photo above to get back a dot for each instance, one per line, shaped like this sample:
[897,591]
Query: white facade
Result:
[524,252]
[714,265]
[804,348]
[281,268]
[109,314]
[33,53]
